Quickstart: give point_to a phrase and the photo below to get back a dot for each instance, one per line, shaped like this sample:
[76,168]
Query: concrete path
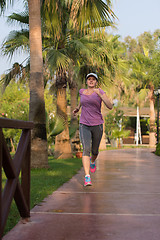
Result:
[122,204]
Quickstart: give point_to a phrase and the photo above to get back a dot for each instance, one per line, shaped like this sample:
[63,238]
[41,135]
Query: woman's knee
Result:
[86,151]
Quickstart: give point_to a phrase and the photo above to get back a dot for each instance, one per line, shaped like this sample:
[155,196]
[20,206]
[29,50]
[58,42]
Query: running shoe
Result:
[87,181]
[92,166]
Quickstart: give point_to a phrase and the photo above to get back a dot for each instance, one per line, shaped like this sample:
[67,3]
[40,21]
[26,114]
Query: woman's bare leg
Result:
[86,164]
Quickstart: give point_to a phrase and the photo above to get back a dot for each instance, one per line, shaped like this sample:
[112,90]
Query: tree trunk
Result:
[73,92]
[75,140]
[39,154]
[62,142]
[152,139]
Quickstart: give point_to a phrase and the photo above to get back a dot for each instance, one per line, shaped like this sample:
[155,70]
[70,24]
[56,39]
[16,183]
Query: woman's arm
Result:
[106,101]
[76,110]
[104,98]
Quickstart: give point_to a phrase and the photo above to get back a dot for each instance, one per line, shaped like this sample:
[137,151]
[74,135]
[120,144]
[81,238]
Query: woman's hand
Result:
[96,90]
[75,111]
[104,98]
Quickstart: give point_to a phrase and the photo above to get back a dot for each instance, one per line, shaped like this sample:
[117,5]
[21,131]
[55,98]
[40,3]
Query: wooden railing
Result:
[19,190]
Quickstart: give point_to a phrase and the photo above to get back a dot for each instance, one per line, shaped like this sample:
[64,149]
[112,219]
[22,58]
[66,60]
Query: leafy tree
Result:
[14,104]
[141,74]
[112,121]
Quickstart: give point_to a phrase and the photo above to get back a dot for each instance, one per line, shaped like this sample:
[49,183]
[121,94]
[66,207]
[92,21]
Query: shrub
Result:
[158,149]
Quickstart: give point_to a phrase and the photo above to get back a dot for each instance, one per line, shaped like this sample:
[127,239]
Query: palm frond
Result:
[17,41]
[4,4]
[17,72]
[87,14]
[81,48]
[57,59]
[55,18]
[21,18]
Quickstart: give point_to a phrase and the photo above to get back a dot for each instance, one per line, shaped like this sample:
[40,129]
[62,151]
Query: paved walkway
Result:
[122,204]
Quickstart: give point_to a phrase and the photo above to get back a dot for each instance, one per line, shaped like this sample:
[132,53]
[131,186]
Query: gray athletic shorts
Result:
[90,137]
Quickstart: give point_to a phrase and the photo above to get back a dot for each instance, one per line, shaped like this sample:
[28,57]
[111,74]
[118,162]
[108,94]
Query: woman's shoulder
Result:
[81,90]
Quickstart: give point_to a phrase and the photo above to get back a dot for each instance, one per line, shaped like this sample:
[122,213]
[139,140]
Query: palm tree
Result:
[39,156]
[59,38]
[37,105]
[68,34]
[141,70]
[143,86]
[103,58]
[17,41]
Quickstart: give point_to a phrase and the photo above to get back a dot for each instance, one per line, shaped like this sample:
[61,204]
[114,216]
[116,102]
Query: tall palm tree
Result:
[39,156]
[141,70]
[143,85]
[58,41]
[37,105]
[103,58]
[71,26]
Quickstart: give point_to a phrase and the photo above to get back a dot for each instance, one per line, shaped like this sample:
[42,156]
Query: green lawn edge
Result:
[43,183]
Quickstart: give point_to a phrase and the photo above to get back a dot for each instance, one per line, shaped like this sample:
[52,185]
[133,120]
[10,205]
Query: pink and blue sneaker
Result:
[92,166]
[87,181]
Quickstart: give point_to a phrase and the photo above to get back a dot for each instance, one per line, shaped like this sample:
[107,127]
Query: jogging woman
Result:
[91,123]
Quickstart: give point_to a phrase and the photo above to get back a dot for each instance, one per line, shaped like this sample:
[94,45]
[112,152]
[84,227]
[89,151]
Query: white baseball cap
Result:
[92,74]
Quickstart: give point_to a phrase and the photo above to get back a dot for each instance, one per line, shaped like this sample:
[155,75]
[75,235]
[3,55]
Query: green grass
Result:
[43,183]
[108,147]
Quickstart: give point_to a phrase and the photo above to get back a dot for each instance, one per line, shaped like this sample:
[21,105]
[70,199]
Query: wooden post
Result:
[12,168]
[25,176]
